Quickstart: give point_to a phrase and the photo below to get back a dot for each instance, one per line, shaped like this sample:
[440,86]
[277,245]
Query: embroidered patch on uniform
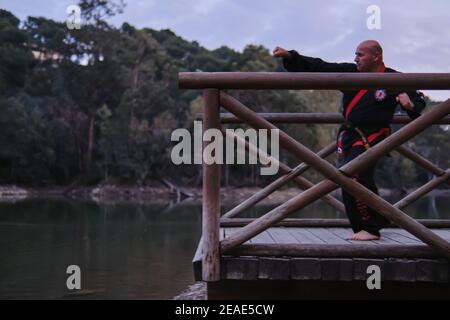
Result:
[380,95]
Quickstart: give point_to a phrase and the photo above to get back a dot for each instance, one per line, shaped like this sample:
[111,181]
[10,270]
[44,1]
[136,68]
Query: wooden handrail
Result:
[322,223]
[313,80]
[310,117]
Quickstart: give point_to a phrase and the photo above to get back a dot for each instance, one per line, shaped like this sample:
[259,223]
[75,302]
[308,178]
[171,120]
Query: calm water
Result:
[126,251]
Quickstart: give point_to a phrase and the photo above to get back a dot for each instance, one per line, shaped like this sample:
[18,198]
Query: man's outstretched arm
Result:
[295,62]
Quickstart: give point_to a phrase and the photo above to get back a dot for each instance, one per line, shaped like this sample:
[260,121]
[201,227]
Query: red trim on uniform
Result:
[354,101]
[363,210]
[373,136]
[360,94]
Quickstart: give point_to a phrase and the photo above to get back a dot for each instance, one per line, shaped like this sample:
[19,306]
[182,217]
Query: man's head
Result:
[368,56]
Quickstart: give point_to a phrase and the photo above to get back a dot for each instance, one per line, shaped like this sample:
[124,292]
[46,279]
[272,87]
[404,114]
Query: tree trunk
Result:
[90,142]
[76,136]
[105,163]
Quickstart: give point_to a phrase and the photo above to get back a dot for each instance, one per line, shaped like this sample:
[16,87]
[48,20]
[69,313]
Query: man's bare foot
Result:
[363,236]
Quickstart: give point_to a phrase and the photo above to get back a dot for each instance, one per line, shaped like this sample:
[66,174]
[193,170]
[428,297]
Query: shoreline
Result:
[106,193]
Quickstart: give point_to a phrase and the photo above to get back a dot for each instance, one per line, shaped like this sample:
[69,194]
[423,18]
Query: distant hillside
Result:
[99,104]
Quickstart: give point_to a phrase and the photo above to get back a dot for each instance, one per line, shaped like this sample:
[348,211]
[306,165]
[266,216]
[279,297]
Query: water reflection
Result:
[125,251]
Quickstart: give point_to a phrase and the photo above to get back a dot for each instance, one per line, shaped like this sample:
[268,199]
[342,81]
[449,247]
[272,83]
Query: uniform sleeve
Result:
[419,104]
[299,63]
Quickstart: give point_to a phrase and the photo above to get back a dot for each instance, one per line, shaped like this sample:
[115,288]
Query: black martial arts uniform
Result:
[368,115]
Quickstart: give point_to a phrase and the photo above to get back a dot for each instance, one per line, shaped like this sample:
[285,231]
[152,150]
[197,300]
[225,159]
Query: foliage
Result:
[99,104]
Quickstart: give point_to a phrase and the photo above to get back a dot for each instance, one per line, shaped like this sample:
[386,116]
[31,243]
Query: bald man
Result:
[368,114]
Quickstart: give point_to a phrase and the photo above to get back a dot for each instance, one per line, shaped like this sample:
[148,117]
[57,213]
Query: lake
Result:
[125,250]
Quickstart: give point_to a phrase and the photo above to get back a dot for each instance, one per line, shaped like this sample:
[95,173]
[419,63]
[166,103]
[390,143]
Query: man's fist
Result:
[281,53]
[405,102]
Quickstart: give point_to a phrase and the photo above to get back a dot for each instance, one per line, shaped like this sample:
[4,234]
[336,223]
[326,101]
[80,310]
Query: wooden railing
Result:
[213,83]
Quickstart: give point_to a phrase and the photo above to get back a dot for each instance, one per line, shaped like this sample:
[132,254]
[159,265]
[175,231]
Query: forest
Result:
[98,105]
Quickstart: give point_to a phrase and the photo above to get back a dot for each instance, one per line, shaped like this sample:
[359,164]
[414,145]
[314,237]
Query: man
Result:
[368,115]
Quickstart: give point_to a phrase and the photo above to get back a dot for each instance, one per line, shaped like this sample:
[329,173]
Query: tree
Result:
[15,56]
[100,103]
[96,11]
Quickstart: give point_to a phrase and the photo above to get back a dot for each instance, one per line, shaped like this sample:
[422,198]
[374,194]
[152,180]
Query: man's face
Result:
[365,59]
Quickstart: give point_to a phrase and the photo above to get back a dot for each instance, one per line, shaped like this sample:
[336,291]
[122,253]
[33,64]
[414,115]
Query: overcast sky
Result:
[415,34]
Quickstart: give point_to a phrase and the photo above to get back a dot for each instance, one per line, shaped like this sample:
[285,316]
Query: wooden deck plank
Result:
[444,233]
[398,237]
[230,231]
[304,236]
[343,233]
[263,237]
[333,235]
[383,241]
[406,234]
[281,235]
[327,236]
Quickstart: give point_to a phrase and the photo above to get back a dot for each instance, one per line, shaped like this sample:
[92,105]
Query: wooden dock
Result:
[271,257]
[315,262]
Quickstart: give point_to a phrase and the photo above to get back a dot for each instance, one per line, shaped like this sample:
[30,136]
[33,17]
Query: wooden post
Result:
[211,194]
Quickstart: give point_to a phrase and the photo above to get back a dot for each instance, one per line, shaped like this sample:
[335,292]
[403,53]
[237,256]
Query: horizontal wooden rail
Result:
[334,250]
[310,117]
[322,223]
[313,80]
